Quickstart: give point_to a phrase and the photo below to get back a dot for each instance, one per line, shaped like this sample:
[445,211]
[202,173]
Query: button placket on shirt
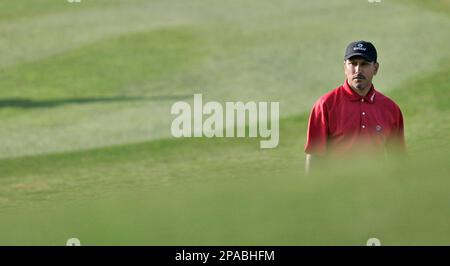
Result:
[363,114]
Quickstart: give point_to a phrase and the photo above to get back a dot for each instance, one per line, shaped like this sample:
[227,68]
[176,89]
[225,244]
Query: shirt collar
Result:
[353,96]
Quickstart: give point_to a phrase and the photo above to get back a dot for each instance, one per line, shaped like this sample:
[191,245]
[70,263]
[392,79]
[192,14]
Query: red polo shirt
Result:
[342,121]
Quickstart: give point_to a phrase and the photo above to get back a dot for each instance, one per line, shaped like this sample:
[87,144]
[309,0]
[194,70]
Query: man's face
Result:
[360,72]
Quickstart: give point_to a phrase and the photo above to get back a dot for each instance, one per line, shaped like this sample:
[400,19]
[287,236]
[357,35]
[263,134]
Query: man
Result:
[354,117]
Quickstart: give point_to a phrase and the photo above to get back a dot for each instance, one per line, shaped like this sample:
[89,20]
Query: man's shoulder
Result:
[330,97]
[386,101]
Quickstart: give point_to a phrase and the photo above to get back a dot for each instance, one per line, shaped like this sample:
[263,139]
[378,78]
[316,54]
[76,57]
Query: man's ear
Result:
[376,65]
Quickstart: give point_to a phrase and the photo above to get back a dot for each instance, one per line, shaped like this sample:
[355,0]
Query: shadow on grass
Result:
[29,103]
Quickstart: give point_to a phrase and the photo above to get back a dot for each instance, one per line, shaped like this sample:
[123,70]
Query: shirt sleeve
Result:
[317,135]
[396,141]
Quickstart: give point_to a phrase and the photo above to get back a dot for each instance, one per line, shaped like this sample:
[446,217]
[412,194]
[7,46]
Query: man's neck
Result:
[362,92]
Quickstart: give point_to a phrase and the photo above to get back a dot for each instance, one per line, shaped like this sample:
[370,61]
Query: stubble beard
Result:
[361,86]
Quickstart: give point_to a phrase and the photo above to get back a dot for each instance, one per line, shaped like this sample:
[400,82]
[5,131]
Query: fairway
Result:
[86,150]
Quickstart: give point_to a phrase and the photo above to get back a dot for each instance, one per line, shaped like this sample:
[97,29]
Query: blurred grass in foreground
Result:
[263,203]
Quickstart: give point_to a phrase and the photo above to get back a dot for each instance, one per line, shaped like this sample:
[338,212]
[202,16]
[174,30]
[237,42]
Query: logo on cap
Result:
[359,46]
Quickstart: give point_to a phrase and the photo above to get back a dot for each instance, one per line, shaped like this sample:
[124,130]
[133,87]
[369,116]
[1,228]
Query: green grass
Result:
[104,68]
[226,192]
[13,10]
[442,6]
[106,56]
[85,148]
